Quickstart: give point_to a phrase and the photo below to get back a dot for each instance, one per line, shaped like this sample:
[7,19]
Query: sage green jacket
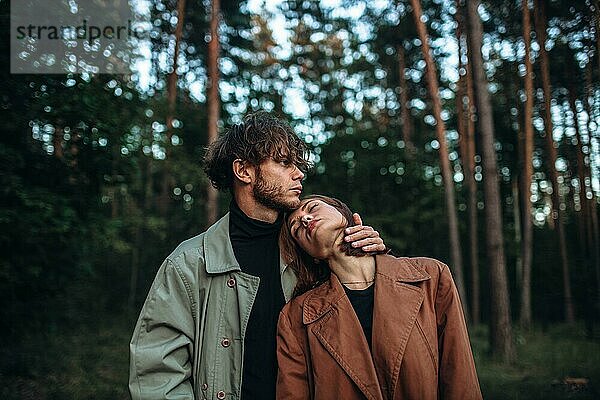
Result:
[188,342]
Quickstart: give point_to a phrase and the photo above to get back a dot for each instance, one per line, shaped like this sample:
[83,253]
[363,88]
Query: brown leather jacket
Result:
[420,345]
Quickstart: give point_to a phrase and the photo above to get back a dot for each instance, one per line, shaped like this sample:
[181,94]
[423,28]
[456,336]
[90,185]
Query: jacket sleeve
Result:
[292,378]
[162,344]
[457,374]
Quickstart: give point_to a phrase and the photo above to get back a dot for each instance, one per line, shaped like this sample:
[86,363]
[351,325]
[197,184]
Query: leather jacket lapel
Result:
[334,322]
[397,303]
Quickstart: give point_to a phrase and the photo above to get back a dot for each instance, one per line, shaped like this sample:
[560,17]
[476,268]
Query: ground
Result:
[92,363]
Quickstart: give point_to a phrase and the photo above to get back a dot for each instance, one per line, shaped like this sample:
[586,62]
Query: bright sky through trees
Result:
[294,92]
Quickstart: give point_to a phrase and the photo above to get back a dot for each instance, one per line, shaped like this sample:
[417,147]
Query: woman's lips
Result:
[311,226]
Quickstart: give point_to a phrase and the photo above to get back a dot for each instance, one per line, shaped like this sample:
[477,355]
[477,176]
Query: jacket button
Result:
[204,386]
[225,342]
[220,395]
[231,282]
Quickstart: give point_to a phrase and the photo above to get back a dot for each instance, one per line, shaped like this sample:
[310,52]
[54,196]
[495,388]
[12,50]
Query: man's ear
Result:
[243,171]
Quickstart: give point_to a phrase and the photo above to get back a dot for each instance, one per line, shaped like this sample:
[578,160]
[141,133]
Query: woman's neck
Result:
[354,272]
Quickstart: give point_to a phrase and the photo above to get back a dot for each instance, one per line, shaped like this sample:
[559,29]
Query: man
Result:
[207,329]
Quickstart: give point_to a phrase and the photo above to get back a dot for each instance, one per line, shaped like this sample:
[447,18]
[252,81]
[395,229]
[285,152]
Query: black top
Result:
[362,302]
[256,248]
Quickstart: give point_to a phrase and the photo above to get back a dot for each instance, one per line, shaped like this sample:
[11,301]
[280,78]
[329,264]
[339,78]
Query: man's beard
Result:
[272,195]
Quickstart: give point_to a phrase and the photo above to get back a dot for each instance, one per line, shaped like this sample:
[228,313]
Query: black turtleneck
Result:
[256,248]
[362,301]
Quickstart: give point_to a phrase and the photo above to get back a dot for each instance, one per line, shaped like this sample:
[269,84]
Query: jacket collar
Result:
[397,303]
[321,299]
[400,269]
[219,257]
[218,252]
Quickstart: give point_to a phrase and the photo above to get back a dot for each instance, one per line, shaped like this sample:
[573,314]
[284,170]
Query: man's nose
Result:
[299,175]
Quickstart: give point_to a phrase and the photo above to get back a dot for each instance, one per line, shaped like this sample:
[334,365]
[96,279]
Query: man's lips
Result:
[297,189]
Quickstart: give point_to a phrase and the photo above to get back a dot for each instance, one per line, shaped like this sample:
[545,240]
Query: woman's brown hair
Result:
[309,271]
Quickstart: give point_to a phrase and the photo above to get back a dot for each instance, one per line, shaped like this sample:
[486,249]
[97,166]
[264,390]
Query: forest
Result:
[462,130]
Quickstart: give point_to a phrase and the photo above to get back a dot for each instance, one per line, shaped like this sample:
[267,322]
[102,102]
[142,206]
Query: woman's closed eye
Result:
[295,230]
[294,226]
[297,223]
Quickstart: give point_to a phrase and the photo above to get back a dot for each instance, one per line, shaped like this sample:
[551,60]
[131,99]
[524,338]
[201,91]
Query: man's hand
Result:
[364,236]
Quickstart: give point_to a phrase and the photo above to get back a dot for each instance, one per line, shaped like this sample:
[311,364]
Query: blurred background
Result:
[465,132]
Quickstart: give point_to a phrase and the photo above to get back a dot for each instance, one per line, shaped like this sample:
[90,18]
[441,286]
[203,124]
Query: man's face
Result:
[278,185]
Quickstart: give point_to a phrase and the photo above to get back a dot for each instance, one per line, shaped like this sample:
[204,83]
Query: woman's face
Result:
[317,227]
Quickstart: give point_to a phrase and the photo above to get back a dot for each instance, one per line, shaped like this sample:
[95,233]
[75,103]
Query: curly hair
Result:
[260,136]
[309,271]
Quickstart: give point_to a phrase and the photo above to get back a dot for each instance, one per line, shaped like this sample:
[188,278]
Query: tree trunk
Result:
[172,80]
[57,143]
[136,254]
[585,203]
[525,317]
[214,103]
[432,85]
[461,123]
[589,90]
[407,128]
[590,108]
[135,268]
[517,222]
[597,19]
[596,250]
[474,234]
[540,22]
[113,189]
[466,105]
[164,199]
[588,211]
[584,220]
[501,336]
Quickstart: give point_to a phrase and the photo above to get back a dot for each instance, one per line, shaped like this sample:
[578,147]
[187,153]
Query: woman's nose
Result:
[306,218]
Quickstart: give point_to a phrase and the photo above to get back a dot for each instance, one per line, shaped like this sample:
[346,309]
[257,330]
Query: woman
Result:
[361,326]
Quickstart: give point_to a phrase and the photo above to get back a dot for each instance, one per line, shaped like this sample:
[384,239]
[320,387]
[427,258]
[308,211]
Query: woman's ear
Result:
[243,171]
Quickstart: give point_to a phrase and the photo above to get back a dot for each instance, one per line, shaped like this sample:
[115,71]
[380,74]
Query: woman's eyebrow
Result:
[306,204]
